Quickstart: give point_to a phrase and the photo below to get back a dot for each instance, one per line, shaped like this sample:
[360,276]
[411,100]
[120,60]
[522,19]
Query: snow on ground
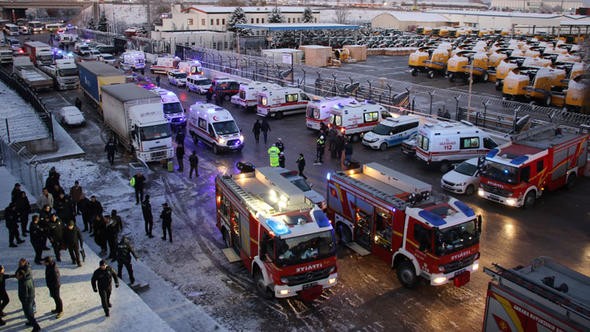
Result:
[23,122]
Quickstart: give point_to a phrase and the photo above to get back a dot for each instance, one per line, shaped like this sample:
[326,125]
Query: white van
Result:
[281,101]
[391,132]
[191,67]
[443,142]
[176,77]
[197,83]
[214,126]
[355,118]
[318,110]
[11,29]
[247,97]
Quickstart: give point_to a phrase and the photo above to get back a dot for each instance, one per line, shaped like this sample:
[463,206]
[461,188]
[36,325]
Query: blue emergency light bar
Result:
[278,227]
[321,219]
[464,208]
[432,218]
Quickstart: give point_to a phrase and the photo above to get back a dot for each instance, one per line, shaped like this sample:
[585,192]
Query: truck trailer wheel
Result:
[529,200]
[261,287]
[406,274]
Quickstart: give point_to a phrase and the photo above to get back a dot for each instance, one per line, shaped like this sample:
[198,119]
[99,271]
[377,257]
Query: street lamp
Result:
[485,108]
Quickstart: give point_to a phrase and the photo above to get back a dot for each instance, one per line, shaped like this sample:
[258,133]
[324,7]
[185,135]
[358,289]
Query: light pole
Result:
[470,87]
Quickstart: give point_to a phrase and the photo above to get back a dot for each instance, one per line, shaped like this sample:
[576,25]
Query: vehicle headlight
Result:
[241,138]
[475,266]
[284,292]
[221,140]
[480,192]
[332,281]
[439,280]
[511,201]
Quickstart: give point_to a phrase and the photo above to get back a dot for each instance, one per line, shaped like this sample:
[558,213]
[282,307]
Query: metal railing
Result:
[23,166]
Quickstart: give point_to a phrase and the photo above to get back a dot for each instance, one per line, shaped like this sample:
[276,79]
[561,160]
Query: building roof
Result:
[575,20]
[247,10]
[494,13]
[298,26]
[417,16]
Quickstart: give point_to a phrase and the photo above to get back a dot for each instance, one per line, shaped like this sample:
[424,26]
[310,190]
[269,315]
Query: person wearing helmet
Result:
[279,144]
[320,147]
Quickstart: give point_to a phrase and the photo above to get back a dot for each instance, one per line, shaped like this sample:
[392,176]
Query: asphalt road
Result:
[368,296]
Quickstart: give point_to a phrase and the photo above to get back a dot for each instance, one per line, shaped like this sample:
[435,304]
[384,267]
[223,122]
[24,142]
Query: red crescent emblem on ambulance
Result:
[215,118]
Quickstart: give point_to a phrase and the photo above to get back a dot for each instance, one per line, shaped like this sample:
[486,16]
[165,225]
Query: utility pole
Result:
[149,16]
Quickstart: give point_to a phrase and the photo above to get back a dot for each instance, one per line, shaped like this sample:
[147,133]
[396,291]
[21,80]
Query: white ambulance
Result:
[281,101]
[248,95]
[318,110]
[163,64]
[191,67]
[443,142]
[391,132]
[214,126]
[356,117]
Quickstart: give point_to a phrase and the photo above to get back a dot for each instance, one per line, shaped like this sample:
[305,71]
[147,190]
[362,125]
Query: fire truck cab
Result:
[318,110]
[542,158]
[443,142]
[392,215]
[543,296]
[281,101]
[355,118]
[286,242]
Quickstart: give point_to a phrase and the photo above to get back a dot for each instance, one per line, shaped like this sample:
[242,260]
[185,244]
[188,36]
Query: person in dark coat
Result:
[52,279]
[51,181]
[193,161]
[139,185]
[110,148]
[256,130]
[100,229]
[65,212]
[265,127]
[102,282]
[73,241]
[78,103]
[180,156]
[84,208]
[209,94]
[166,217]
[95,209]
[4,299]
[23,209]
[340,142]
[124,253]
[301,165]
[180,135]
[331,138]
[26,292]
[113,228]
[38,238]
[282,160]
[347,152]
[44,220]
[11,217]
[15,194]
[158,81]
[76,193]
[148,218]
[279,144]
[56,236]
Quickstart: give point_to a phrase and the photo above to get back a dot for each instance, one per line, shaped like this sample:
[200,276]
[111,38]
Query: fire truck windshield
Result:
[500,172]
[452,239]
[305,248]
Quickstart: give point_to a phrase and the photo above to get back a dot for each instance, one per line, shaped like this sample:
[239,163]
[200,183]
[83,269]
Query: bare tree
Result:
[341,14]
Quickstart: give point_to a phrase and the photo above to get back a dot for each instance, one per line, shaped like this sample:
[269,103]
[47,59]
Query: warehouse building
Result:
[405,21]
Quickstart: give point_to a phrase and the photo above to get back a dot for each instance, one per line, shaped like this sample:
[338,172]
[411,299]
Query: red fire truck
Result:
[541,158]
[392,215]
[544,296]
[285,241]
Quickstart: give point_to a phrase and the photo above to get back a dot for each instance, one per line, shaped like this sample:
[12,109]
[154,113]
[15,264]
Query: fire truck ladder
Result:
[396,202]
[255,203]
[532,132]
[571,305]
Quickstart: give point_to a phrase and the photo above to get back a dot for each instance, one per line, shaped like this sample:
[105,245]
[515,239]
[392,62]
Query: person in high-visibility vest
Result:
[320,145]
[273,154]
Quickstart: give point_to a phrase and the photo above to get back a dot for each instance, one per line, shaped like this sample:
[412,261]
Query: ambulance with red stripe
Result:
[285,241]
[214,126]
[380,211]
[443,143]
[281,101]
[247,97]
[355,117]
[318,110]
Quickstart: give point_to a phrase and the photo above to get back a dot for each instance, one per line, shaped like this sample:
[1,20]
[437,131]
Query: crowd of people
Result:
[55,224]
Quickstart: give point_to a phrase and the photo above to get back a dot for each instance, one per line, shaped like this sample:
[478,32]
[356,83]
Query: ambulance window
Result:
[371,116]
[489,143]
[304,96]
[293,97]
[202,123]
[469,142]
[540,166]
[211,132]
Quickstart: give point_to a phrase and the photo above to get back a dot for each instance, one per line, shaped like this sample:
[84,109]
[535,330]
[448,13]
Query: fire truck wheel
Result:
[406,274]
[571,180]
[469,190]
[383,146]
[529,199]
[261,287]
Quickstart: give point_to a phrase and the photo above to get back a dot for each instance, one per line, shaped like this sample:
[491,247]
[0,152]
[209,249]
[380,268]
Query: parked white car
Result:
[107,58]
[463,179]
[176,77]
[70,116]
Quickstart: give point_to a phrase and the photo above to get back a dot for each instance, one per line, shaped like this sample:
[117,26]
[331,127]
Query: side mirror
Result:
[479,224]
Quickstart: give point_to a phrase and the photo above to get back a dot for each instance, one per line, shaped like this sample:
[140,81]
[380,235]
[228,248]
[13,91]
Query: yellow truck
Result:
[468,63]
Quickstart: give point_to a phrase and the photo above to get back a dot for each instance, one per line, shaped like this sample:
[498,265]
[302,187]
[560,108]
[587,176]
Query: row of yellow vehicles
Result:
[541,72]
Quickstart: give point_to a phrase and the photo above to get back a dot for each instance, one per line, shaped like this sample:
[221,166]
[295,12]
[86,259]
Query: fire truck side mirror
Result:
[478,226]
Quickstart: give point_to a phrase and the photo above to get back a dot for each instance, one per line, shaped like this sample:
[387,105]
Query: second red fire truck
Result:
[286,243]
[393,216]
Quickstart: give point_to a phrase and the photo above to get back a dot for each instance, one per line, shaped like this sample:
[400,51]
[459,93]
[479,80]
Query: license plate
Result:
[310,285]
[459,272]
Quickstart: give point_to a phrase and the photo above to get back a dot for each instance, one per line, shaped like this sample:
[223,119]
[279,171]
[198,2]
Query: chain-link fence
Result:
[23,166]
[485,111]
